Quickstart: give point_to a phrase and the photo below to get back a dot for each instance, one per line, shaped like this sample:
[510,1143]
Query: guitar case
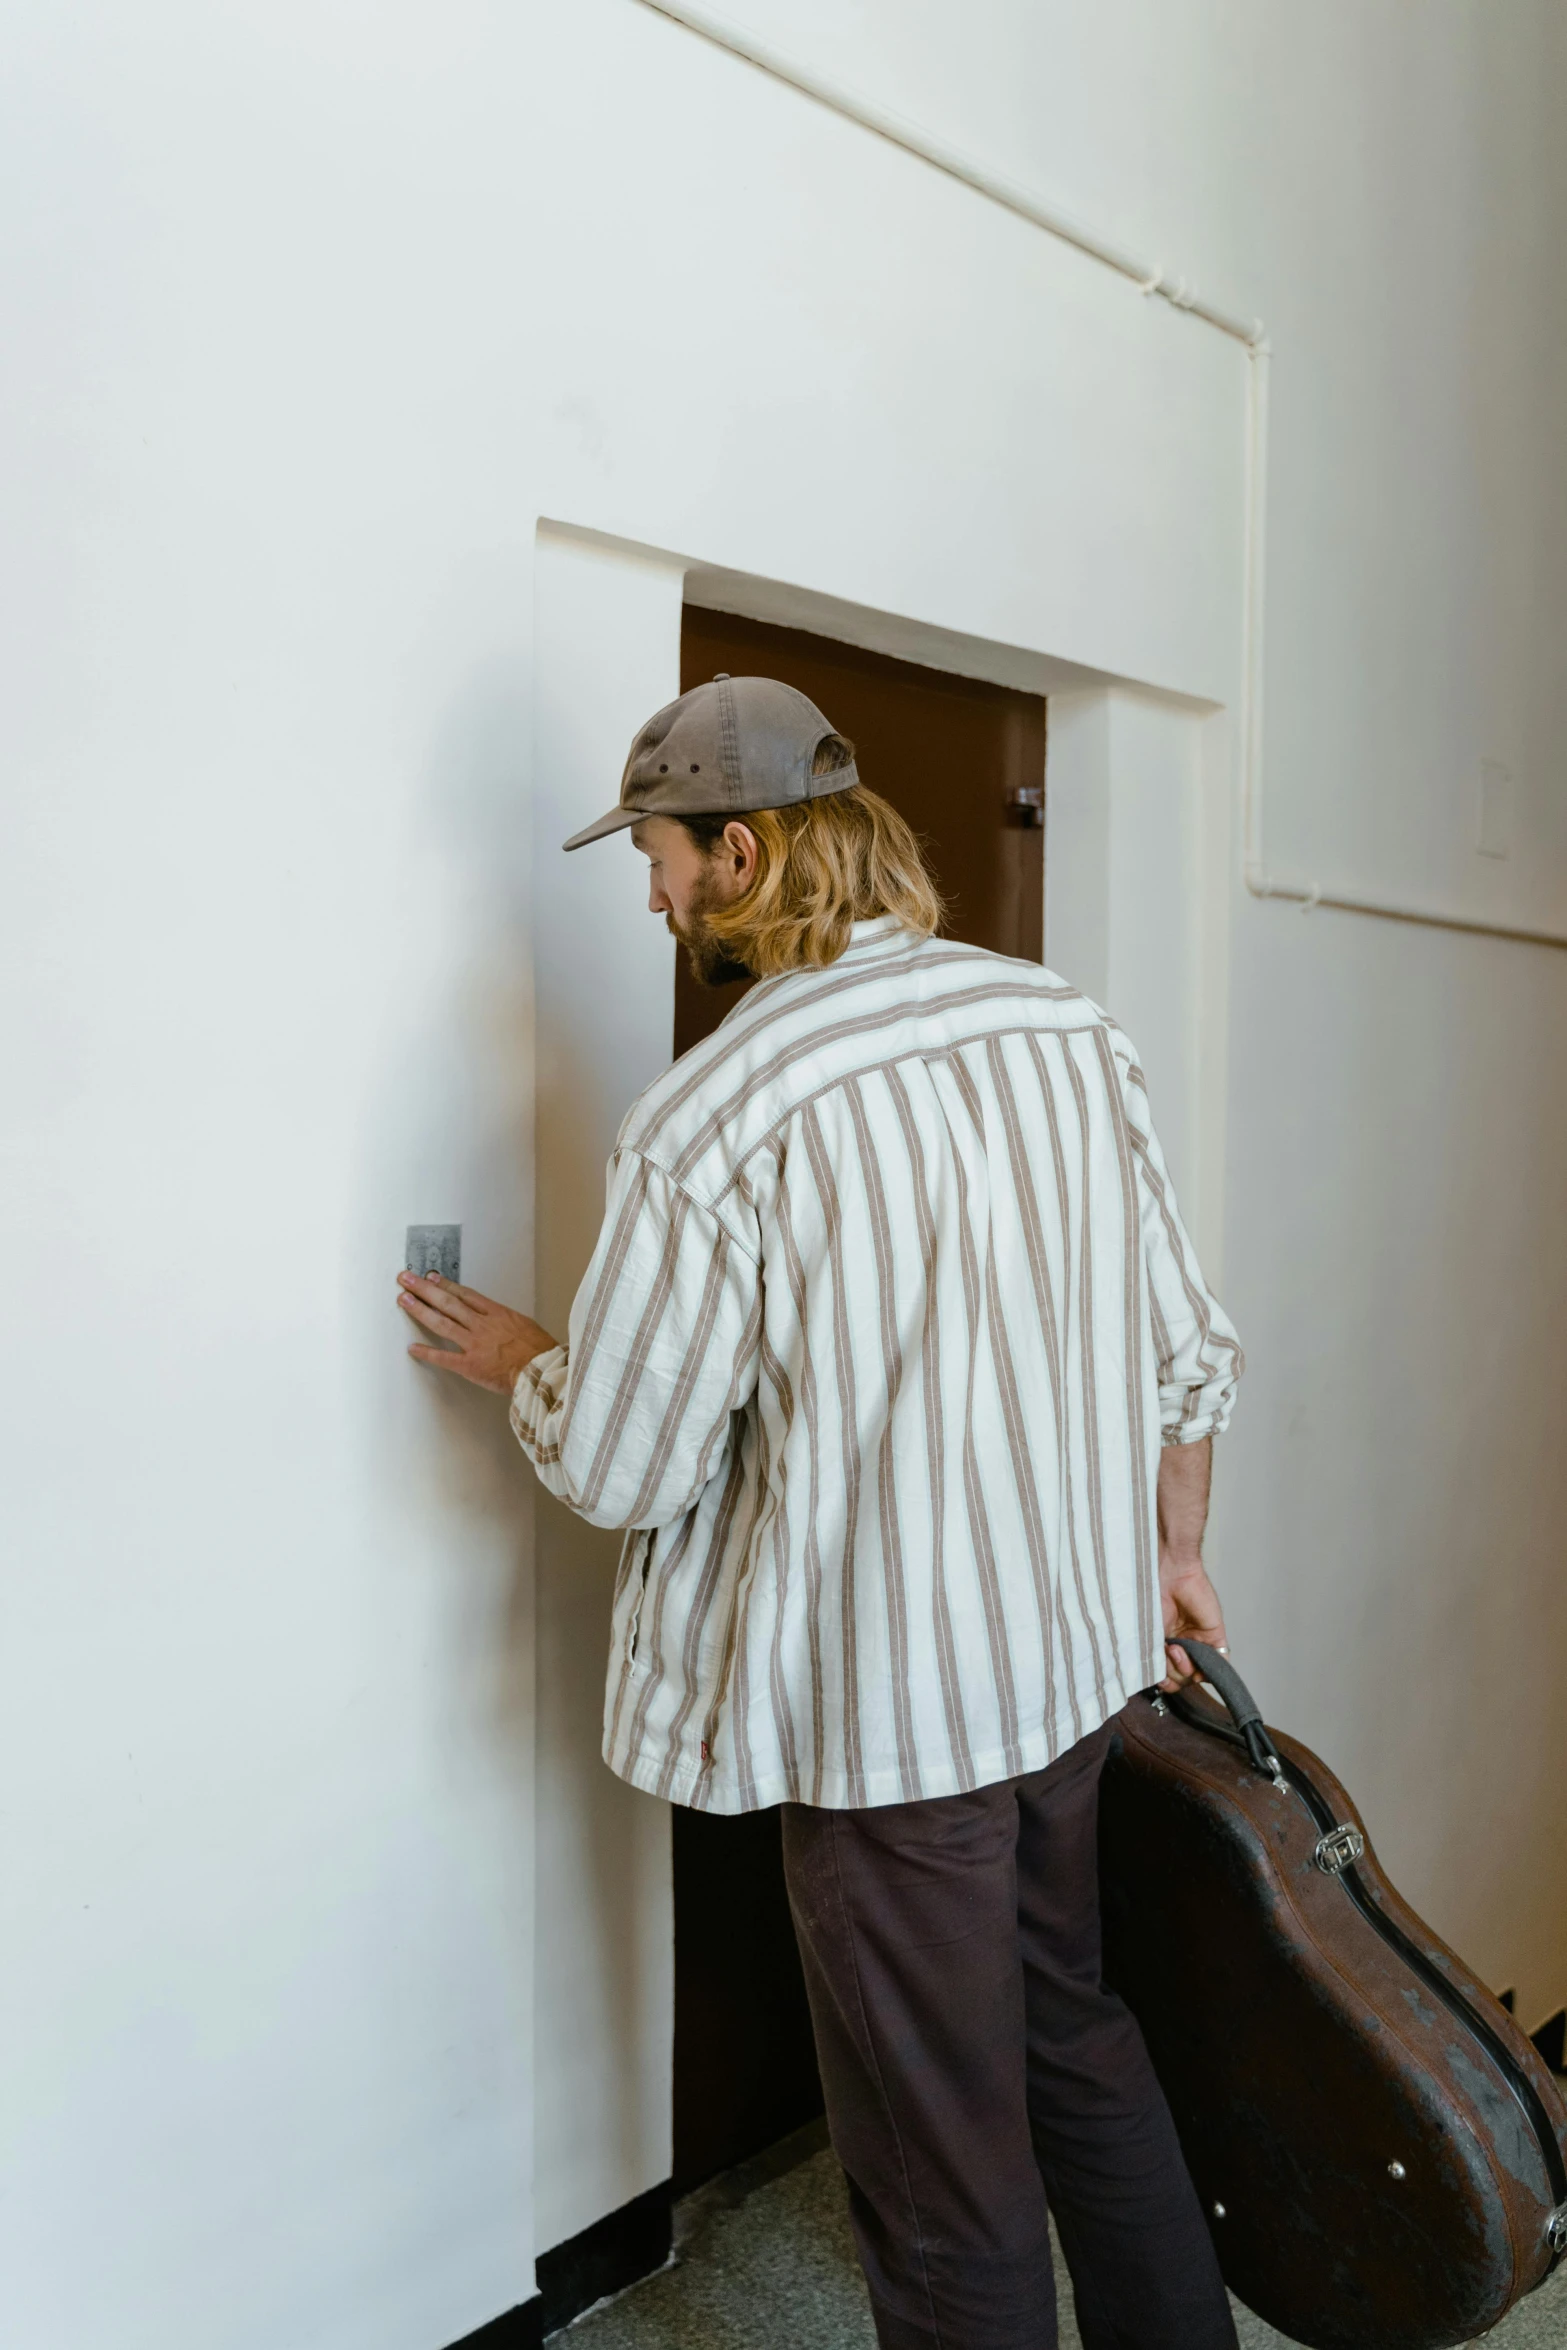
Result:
[1381,2152]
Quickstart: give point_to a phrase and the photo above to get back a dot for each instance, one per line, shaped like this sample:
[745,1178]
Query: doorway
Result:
[964,762]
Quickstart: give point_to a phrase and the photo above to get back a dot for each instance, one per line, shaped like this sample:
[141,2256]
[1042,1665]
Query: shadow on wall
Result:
[448,1136]
[513,1594]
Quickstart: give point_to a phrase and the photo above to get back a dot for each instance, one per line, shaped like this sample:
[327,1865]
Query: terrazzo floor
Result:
[764,2261]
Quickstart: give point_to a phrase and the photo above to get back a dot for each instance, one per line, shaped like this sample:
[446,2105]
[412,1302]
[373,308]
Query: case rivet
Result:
[1218,2211]
[1395,2170]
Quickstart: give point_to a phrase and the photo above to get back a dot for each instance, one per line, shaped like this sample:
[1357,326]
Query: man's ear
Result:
[741,854]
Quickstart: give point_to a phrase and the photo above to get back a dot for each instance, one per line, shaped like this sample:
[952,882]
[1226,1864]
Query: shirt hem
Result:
[710,1786]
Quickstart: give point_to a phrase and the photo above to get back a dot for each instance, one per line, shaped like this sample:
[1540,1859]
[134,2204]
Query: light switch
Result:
[1496,810]
[435,1248]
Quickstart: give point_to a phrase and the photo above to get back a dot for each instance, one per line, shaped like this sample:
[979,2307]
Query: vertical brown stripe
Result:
[886,1477]
[1023,1481]
[635,1556]
[635,1363]
[709,1576]
[849,1448]
[811,1557]
[672,1425]
[627,1219]
[734,1670]
[771,1505]
[957,1062]
[973,1485]
[1020,1435]
[1198,1301]
[1085,1297]
[935,1439]
[666,1565]
[753,1438]
[1136,1421]
[1210,1342]
[737,1654]
[663,1567]
[1057,1343]
[607,1279]
[774,1483]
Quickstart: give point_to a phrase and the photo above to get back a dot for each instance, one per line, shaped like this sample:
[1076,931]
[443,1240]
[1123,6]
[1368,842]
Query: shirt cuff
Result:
[1188,1414]
[538,1388]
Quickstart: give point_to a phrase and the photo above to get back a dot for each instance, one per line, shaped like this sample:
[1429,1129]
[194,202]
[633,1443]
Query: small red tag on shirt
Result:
[707,1752]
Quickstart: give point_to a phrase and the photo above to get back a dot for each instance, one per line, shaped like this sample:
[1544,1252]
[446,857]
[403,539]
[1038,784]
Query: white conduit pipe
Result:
[1148,280]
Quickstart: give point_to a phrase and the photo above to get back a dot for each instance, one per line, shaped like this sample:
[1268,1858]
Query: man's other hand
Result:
[485,1342]
[1190,1602]
[1190,1605]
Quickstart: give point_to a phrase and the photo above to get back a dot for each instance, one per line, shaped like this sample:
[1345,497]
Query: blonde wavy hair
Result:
[822,865]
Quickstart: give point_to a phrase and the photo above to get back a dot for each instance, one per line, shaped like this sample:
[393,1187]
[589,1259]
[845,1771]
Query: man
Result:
[895,1362]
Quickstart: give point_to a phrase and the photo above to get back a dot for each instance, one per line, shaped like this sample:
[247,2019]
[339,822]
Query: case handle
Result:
[1226,1682]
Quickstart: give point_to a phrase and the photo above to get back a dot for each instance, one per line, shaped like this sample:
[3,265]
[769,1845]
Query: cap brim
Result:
[616,821]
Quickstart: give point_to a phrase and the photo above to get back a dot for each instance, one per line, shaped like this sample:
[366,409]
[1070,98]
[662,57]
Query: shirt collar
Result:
[880,931]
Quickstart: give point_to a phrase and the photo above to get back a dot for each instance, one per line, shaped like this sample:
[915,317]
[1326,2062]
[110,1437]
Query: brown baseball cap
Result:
[725,749]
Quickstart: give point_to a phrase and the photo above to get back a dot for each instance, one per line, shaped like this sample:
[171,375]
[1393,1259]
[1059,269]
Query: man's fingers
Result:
[460,1304]
[441,1324]
[470,1297]
[1179,1660]
[440,1358]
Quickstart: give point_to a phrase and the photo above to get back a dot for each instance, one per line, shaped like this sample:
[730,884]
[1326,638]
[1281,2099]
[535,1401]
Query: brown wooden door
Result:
[949,753]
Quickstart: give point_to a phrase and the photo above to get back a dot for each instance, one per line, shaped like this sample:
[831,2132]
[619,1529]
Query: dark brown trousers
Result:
[974,2066]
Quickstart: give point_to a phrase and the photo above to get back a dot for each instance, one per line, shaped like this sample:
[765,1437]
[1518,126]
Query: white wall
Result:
[314,313]
[1137,875]
[266,1716]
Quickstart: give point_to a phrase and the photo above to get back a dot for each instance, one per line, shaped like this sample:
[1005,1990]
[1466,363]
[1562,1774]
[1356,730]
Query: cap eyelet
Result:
[663,771]
[697,769]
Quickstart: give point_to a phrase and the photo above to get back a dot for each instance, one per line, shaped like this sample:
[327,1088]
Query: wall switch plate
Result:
[435,1248]
[1496,810]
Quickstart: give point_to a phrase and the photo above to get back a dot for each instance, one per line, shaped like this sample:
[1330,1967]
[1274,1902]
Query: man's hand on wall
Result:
[486,1342]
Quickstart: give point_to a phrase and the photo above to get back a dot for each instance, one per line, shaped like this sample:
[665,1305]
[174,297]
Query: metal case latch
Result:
[1556,2229]
[1339,1849]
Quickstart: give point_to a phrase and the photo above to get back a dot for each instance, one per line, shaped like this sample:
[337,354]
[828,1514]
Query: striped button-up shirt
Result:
[891,1311]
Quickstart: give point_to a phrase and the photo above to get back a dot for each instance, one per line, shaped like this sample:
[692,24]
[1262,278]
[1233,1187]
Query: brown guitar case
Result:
[1381,2152]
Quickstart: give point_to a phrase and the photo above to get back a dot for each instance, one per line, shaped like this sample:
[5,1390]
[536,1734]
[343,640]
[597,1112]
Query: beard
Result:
[711,963]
